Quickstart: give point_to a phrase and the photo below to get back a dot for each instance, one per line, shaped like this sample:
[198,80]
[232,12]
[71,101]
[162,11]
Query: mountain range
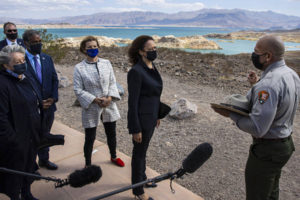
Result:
[227,18]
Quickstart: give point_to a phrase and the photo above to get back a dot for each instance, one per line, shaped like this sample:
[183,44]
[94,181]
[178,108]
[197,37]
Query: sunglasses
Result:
[12,30]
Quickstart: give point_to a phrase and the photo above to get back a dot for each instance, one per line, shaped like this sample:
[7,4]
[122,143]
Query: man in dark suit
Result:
[11,32]
[40,69]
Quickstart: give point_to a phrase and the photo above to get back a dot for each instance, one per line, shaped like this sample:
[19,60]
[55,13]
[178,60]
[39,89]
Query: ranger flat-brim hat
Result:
[235,103]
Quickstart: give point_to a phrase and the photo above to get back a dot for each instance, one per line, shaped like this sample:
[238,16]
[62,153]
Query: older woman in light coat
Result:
[96,90]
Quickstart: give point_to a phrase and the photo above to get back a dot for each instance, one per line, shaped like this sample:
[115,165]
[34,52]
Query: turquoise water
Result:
[228,47]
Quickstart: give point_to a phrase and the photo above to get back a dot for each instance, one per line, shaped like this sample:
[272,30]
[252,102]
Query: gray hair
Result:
[29,33]
[5,53]
[273,44]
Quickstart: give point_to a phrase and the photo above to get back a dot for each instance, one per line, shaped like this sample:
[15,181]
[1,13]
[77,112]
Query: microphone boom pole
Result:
[10,171]
[152,180]
[192,162]
[79,178]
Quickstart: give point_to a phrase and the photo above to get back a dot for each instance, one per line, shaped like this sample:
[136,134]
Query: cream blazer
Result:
[96,80]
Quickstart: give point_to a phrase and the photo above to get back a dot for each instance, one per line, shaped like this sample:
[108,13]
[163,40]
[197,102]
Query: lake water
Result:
[228,47]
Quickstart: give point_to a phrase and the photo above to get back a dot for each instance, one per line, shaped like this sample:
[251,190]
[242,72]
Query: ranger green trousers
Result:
[263,168]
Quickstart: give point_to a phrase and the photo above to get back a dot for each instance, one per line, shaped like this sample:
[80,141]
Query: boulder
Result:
[183,109]
[63,82]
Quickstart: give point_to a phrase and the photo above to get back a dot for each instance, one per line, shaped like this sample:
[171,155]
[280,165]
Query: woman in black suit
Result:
[144,89]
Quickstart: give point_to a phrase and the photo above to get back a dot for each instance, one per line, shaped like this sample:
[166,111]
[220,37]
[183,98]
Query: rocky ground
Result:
[201,78]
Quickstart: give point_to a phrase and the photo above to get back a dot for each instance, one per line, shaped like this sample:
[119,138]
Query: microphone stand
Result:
[10,171]
[152,180]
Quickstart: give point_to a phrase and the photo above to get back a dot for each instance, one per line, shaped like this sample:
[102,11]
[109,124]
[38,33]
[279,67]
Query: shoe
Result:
[118,162]
[142,197]
[150,185]
[48,165]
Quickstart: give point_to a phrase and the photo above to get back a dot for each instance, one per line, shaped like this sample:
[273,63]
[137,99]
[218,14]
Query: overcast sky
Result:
[58,8]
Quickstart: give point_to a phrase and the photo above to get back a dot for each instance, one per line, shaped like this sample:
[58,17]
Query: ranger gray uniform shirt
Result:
[274,101]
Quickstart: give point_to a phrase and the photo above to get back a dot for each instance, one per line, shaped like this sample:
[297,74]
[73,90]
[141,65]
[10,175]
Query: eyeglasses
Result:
[12,30]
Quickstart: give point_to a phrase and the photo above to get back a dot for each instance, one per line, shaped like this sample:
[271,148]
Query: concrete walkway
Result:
[70,157]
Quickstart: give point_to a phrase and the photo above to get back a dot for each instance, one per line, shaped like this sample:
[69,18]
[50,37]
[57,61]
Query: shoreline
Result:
[197,42]
[286,36]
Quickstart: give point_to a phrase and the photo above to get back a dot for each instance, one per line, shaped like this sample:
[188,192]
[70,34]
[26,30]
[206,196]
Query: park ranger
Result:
[273,103]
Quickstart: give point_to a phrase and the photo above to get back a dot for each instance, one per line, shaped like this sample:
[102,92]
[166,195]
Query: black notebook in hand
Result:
[164,110]
[50,140]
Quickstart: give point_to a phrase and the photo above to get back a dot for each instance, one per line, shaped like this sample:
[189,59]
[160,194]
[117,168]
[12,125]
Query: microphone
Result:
[195,159]
[189,165]
[80,178]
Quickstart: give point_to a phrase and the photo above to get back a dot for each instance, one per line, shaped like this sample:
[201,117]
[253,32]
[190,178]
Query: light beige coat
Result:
[90,83]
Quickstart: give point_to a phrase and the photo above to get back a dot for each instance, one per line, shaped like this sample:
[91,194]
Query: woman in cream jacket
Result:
[96,90]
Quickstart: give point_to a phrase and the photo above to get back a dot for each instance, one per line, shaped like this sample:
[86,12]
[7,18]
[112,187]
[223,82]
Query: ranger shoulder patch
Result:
[263,96]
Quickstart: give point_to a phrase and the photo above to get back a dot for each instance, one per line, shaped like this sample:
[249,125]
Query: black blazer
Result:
[3,43]
[49,86]
[144,90]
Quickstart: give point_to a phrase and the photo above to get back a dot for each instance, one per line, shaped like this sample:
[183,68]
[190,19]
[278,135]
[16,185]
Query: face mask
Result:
[92,52]
[36,48]
[151,55]
[20,68]
[12,36]
[256,62]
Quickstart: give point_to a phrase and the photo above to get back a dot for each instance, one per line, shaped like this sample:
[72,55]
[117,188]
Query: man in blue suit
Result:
[11,32]
[40,69]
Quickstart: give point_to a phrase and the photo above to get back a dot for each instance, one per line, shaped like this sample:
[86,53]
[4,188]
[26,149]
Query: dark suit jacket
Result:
[144,91]
[18,132]
[49,86]
[3,43]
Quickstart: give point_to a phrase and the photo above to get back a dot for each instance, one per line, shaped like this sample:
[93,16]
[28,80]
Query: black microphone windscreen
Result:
[90,174]
[197,157]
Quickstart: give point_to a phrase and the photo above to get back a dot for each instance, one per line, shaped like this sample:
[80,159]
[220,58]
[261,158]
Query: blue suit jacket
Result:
[49,86]
[3,43]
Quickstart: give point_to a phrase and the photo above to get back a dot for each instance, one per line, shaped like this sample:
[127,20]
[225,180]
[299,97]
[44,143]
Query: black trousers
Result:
[138,162]
[90,135]
[31,167]
[44,153]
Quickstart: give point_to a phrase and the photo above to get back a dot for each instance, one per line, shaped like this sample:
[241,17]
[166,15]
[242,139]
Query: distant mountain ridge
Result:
[234,18]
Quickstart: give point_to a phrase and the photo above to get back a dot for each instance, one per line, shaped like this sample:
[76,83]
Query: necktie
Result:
[38,69]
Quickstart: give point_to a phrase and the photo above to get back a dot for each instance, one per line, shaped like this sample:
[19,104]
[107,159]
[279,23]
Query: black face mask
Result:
[36,48]
[12,36]
[256,62]
[151,55]
[20,68]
